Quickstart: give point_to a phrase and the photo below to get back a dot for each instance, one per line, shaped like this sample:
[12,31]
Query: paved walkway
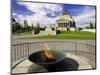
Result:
[27,66]
[90,30]
[18,41]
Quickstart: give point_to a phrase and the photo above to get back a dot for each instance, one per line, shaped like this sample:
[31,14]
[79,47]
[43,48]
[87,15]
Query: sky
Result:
[48,13]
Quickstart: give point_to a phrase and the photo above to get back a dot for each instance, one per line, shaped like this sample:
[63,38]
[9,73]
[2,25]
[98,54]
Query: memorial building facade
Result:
[64,21]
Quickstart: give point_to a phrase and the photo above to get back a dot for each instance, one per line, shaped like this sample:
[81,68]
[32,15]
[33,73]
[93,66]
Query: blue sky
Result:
[47,13]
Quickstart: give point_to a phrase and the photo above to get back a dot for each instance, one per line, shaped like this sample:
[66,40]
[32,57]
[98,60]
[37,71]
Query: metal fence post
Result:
[28,49]
[76,48]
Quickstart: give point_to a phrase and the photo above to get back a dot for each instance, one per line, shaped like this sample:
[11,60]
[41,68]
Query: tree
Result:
[37,28]
[91,26]
[32,26]
[25,24]
[38,25]
[87,27]
[72,24]
[16,28]
[13,20]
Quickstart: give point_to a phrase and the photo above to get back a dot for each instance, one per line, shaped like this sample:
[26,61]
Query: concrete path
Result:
[90,30]
[27,66]
[18,41]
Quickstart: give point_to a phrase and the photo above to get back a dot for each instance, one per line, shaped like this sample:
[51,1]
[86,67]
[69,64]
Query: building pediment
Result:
[62,20]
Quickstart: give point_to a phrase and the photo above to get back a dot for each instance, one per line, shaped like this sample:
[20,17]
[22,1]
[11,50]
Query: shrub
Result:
[36,30]
[80,29]
[53,29]
[58,31]
[43,29]
[68,29]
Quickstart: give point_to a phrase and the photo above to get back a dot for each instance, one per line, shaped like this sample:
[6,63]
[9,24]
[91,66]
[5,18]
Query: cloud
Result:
[84,18]
[40,11]
[14,14]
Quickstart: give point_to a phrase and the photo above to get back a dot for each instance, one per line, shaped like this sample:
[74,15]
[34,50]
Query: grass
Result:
[80,35]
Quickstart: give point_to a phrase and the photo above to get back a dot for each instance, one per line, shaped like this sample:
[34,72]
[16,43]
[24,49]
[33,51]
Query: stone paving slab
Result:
[24,66]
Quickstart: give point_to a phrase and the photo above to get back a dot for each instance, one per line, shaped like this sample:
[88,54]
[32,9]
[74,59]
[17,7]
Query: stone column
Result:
[59,24]
[68,24]
[65,25]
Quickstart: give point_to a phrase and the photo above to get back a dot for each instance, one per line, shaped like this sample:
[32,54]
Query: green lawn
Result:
[79,35]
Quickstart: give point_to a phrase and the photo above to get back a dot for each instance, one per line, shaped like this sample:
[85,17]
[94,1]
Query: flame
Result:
[47,53]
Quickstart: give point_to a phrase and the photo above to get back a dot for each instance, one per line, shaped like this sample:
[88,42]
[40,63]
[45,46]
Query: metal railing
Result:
[23,50]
